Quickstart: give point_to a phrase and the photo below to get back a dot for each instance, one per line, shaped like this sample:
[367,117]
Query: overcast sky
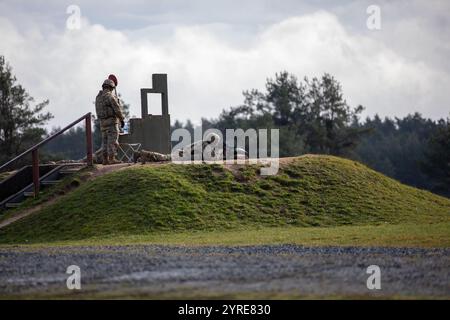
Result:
[213,50]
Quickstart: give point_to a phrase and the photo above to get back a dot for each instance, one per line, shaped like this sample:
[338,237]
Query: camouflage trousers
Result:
[110,139]
[150,156]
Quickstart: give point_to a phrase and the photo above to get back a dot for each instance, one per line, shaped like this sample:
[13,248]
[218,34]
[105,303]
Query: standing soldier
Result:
[110,115]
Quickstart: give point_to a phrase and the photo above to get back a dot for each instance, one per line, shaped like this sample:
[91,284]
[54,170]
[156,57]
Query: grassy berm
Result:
[319,191]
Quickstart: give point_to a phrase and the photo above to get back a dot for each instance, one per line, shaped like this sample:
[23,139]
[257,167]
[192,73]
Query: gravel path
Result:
[152,271]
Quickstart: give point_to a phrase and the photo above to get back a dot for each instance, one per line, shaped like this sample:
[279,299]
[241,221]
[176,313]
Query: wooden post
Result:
[89,151]
[35,155]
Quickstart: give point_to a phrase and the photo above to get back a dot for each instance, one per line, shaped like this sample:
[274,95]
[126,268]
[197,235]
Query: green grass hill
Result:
[319,191]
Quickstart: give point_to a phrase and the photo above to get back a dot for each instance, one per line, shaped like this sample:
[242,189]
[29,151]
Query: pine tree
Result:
[20,123]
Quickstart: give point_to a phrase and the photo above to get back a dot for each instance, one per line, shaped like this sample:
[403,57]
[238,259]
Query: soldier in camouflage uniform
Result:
[150,156]
[110,115]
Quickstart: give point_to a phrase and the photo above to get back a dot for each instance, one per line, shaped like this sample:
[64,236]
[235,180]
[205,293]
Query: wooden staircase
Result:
[18,187]
[53,177]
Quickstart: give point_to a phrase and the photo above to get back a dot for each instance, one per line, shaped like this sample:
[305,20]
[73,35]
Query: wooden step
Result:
[28,193]
[69,170]
[12,204]
[49,182]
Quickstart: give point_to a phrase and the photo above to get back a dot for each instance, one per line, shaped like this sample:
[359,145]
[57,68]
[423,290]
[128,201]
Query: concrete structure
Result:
[152,131]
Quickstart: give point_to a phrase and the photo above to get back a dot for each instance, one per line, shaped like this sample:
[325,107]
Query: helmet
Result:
[113,78]
[108,83]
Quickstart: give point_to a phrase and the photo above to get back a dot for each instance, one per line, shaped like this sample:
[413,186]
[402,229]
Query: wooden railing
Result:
[34,150]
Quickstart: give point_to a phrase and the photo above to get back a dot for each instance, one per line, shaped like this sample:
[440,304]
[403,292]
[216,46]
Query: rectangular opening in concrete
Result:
[154,103]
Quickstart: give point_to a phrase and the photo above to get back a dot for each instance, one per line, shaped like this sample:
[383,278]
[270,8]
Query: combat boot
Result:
[105,159]
[113,160]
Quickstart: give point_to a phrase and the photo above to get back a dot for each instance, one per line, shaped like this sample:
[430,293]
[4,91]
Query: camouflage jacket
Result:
[108,108]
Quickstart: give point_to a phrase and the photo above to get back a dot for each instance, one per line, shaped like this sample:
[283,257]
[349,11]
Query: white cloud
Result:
[207,73]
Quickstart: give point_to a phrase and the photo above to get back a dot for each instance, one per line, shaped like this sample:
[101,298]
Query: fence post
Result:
[35,155]
[89,161]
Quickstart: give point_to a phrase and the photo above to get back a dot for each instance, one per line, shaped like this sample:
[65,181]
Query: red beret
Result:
[113,78]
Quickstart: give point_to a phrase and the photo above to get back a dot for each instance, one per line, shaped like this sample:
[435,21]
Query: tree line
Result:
[311,114]
[313,117]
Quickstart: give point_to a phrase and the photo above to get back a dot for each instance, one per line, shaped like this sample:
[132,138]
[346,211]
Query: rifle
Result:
[118,100]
